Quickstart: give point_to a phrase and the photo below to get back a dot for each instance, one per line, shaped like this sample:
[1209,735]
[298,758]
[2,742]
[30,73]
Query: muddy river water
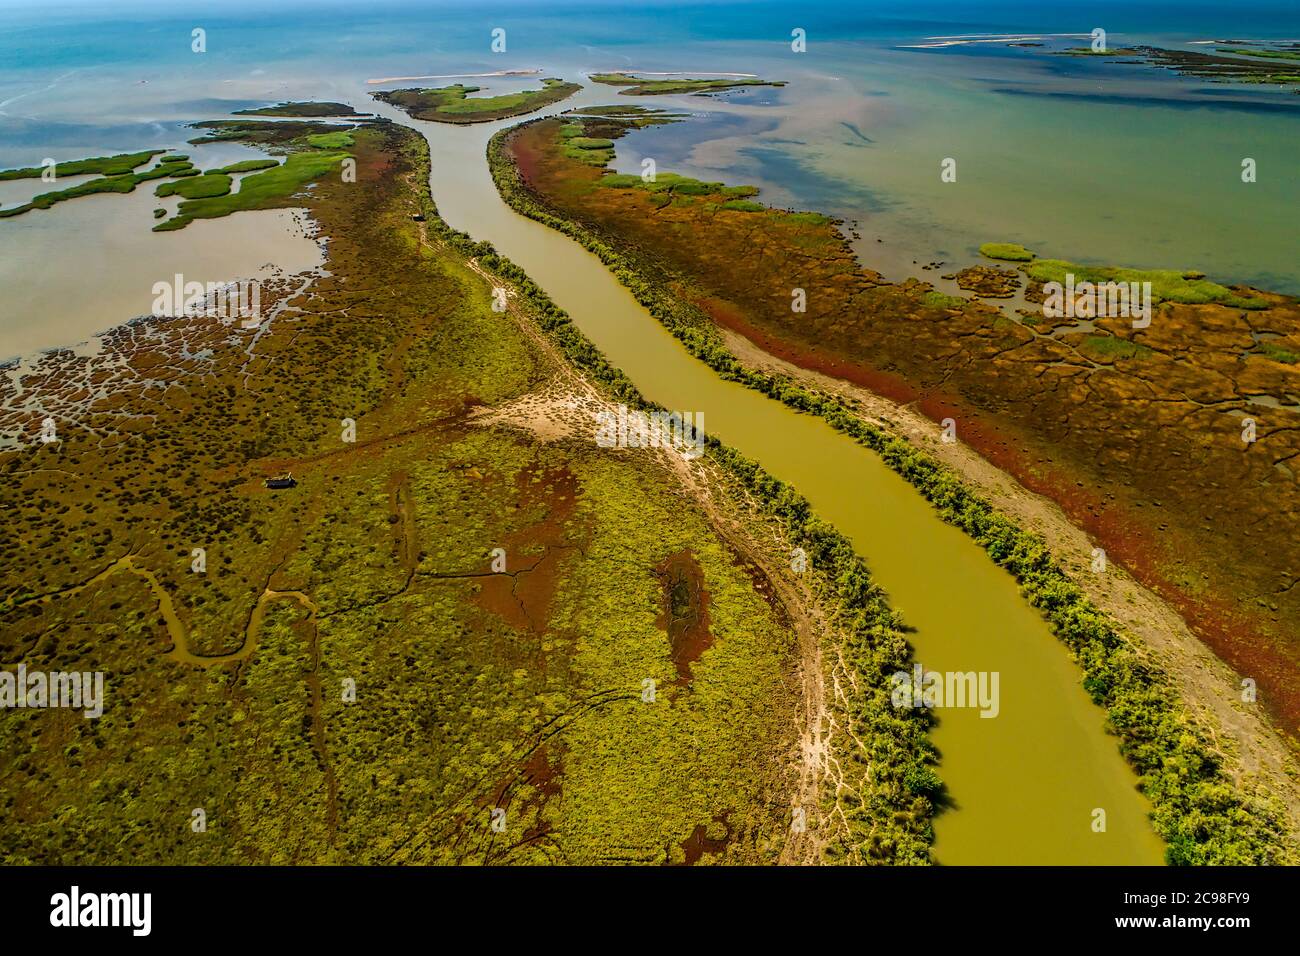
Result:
[1026,783]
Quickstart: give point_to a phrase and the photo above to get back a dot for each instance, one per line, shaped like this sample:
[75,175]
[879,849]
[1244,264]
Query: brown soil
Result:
[685,611]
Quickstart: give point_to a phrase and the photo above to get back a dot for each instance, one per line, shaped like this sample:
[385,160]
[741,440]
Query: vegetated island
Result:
[647,86]
[301,109]
[454,104]
[1264,54]
[472,606]
[310,150]
[1227,65]
[1089,51]
[1135,433]
[117,175]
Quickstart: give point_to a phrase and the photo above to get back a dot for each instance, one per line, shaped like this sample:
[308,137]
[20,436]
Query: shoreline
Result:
[453,76]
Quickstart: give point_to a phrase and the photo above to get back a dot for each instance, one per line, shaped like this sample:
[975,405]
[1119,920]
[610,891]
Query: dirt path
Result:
[566,409]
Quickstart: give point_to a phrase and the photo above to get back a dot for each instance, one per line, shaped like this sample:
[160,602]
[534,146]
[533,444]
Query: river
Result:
[1025,784]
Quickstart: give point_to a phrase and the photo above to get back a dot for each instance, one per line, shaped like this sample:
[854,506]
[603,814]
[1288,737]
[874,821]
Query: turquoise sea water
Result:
[1076,158]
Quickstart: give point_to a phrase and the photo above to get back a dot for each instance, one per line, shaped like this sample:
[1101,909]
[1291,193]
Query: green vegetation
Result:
[1167,285]
[197,187]
[165,170]
[1203,815]
[118,182]
[453,104]
[588,142]
[673,184]
[594,151]
[639,86]
[1277,353]
[119,177]
[803,218]
[1266,54]
[1009,251]
[300,109]
[118,165]
[629,112]
[252,165]
[1254,66]
[941,300]
[339,140]
[1108,346]
[1186,286]
[115,184]
[1089,51]
[274,187]
[185,179]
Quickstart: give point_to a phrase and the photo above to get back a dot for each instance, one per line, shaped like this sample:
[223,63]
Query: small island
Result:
[310,110]
[1228,64]
[643,86]
[117,174]
[311,150]
[453,104]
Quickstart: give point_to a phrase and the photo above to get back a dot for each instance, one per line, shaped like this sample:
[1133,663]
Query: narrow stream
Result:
[1025,784]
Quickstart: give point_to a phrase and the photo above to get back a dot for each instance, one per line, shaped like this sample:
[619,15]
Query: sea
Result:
[1080,158]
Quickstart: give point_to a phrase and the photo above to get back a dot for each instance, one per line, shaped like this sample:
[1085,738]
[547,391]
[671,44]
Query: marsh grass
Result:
[272,188]
[1167,285]
[637,86]
[1007,251]
[454,104]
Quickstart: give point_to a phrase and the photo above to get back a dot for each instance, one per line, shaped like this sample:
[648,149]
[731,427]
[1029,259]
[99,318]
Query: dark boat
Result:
[283,481]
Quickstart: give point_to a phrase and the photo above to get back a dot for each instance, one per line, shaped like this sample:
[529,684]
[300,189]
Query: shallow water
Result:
[1084,160]
[89,264]
[1025,783]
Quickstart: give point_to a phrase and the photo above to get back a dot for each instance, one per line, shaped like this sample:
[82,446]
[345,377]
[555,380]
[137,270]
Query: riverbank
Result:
[851,640]
[981,623]
[1154,731]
